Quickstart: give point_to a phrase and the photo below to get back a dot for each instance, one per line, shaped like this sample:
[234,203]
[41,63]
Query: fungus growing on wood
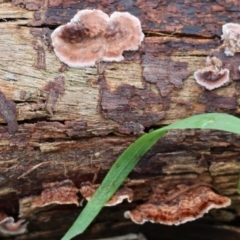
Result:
[55,193]
[92,36]
[231,38]
[176,208]
[8,227]
[123,32]
[87,191]
[80,43]
[213,75]
[63,192]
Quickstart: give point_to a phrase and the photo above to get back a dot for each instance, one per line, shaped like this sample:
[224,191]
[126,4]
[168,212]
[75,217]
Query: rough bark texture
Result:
[71,122]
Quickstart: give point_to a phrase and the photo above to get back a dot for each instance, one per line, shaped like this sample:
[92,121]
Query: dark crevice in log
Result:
[51,27]
[12,19]
[39,120]
[178,35]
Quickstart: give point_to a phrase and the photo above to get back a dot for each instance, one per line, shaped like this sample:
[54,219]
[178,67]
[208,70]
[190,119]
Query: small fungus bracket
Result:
[87,190]
[231,38]
[123,33]
[178,206]
[8,227]
[55,193]
[212,75]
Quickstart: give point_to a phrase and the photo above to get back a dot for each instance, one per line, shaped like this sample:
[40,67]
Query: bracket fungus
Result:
[231,38]
[93,36]
[53,194]
[176,208]
[80,42]
[87,191]
[9,228]
[213,75]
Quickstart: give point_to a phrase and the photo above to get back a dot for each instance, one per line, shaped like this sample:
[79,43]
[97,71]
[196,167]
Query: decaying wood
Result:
[71,122]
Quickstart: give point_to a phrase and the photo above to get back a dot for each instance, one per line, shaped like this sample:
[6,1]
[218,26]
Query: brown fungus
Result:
[9,228]
[63,192]
[53,194]
[80,42]
[87,190]
[231,38]
[190,204]
[213,75]
[123,32]
[92,36]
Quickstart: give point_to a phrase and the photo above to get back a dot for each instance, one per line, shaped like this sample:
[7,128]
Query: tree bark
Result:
[68,123]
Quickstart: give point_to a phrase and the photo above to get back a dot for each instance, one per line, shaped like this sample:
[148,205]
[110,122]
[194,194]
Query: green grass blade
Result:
[217,121]
[127,161]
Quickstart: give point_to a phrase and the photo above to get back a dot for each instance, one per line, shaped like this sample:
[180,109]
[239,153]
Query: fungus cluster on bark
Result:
[177,207]
[93,36]
[212,75]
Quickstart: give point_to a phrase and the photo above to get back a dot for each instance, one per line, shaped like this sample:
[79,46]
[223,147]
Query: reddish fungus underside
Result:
[186,206]
[213,75]
[87,191]
[55,193]
[92,36]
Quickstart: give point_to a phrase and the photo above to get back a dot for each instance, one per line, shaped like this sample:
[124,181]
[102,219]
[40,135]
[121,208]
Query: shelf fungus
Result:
[55,193]
[92,36]
[212,75]
[174,208]
[9,228]
[87,190]
[123,33]
[231,38]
